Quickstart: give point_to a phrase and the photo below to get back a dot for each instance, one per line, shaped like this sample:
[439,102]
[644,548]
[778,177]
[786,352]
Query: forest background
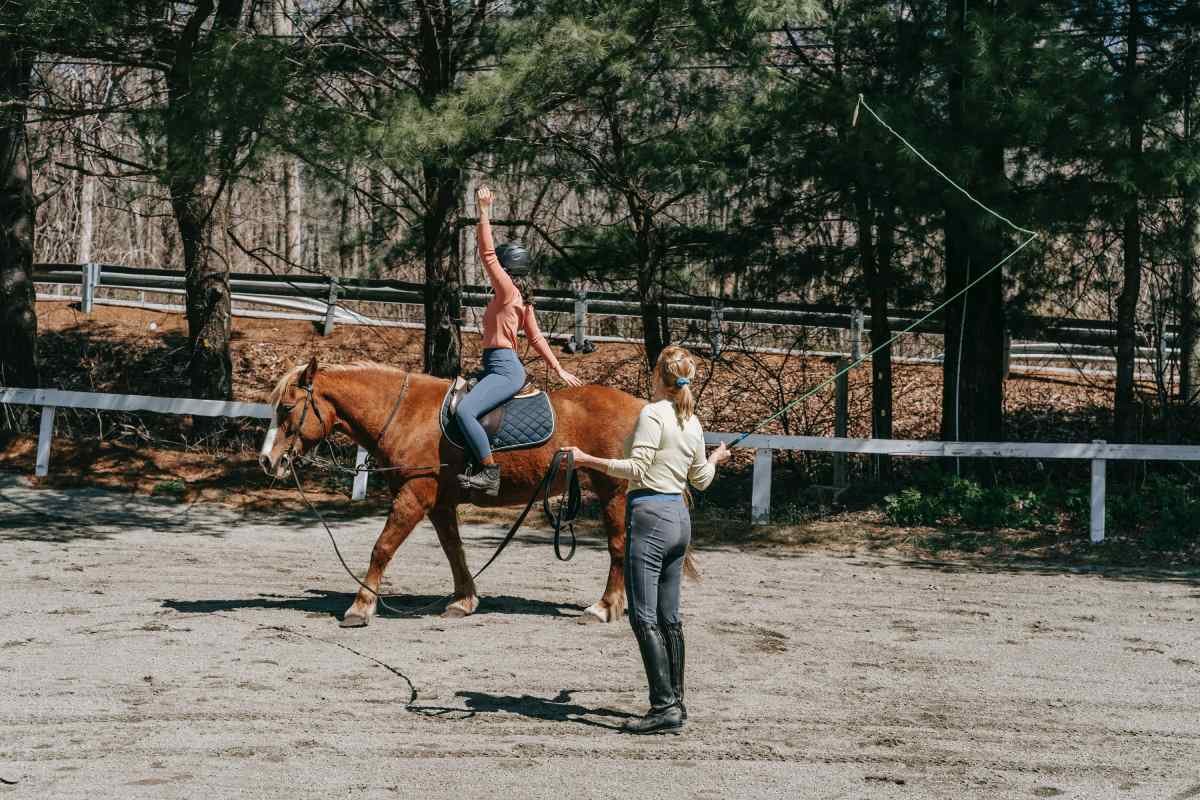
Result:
[696,148]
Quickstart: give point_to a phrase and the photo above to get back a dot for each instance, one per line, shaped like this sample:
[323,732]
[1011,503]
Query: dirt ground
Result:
[155,649]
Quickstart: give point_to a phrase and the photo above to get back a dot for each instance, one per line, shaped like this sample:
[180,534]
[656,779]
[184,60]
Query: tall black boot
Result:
[675,651]
[665,714]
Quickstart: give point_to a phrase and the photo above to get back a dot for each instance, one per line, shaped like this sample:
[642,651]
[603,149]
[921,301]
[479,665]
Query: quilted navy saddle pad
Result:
[518,423]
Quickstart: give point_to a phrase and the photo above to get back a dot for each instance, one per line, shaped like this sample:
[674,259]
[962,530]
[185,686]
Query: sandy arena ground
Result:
[150,649]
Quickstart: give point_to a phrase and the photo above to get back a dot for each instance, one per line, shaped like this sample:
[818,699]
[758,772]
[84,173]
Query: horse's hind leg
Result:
[407,510]
[611,605]
[445,522]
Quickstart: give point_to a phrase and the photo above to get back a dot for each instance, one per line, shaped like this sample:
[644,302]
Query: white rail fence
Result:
[1098,453]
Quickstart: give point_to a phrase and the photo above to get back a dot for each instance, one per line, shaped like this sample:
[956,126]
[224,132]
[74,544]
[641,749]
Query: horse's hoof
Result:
[354,621]
[592,614]
[455,612]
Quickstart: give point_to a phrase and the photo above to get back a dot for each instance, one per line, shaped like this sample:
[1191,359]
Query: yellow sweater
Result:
[661,455]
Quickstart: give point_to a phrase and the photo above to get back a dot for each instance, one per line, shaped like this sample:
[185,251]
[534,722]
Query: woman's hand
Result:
[568,378]
[583,459]
[484,199]
[720,455]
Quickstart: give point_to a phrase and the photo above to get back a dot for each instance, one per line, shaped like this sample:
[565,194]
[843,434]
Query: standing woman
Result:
[510,310]
[664,456]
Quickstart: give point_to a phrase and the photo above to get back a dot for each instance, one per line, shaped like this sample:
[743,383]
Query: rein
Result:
[568,510]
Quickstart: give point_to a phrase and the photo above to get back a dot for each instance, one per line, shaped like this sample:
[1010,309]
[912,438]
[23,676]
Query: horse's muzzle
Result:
[279,470]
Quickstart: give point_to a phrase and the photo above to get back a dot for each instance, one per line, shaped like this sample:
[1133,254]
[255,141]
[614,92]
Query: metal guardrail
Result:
[1098,452]
[711,310]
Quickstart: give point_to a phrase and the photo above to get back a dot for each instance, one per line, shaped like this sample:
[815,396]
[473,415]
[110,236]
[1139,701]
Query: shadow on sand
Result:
[555,709]
[334,604]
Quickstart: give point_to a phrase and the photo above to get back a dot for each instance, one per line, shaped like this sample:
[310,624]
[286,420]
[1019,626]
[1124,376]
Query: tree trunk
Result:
[18,317]
[1189,191]
[1189,365]
[210,369]
[282,25]
[875,250]
[655,333]
[206,279]
[1125,402]
[443,290]
[973,370]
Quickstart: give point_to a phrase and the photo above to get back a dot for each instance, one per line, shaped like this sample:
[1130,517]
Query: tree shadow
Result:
[555,709]
[105,359]
[1115,572]
[94,514]
[334,604]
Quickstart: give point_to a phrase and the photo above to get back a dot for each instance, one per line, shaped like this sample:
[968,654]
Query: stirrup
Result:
[486,480]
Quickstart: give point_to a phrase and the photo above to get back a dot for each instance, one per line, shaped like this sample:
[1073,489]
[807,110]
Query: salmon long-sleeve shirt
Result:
[507,313]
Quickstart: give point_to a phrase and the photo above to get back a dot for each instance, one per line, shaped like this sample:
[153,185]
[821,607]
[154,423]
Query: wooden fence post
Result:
[841,420]
[857,324]
[1097,506]
[360,477]
[331,307]
[45,438]
[1007,354]
[716,318]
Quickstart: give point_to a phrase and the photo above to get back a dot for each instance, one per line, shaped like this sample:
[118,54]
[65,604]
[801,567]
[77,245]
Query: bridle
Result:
[297,435]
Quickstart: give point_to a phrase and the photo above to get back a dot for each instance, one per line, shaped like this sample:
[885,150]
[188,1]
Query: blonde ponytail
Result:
[676,370]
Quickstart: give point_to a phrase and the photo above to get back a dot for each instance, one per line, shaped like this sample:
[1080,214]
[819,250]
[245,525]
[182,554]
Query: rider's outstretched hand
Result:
[568,378]
[484,198]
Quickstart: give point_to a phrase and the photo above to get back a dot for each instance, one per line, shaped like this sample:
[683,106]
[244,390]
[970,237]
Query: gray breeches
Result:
[657,535]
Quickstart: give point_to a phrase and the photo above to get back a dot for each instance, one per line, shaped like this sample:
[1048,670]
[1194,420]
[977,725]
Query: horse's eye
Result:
[285,411]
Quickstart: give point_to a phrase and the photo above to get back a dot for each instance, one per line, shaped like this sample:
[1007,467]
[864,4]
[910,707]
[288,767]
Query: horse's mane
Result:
[293,375]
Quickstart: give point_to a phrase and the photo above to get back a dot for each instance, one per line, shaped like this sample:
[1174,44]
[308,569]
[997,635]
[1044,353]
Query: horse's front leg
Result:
[445,522]
[611,604]
[407,510]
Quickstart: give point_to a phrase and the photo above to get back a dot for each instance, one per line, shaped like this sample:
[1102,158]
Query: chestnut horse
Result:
[394,415]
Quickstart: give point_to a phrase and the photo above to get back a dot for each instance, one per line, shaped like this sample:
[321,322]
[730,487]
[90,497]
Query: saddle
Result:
[526,420]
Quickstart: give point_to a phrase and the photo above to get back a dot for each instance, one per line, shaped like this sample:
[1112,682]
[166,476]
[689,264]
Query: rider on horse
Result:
[509,311]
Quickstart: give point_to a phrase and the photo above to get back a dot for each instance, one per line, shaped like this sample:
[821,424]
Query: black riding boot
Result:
[665,714]
[674,635]
[486,480]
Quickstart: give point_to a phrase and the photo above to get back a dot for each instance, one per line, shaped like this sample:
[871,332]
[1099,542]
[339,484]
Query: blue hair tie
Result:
[681,382]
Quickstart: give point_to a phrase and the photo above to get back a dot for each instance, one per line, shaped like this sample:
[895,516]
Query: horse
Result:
[394,415]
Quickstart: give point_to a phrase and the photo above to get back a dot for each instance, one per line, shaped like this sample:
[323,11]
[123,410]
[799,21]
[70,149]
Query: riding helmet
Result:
[514,258]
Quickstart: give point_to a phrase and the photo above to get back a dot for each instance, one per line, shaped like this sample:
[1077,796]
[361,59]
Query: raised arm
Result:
[501,283]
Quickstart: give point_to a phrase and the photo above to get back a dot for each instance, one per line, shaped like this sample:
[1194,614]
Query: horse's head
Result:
[302,419]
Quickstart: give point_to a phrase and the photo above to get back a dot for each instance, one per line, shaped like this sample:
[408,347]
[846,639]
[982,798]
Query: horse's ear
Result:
[310,372]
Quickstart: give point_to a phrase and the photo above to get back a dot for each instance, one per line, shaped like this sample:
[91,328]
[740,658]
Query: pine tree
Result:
[18,318]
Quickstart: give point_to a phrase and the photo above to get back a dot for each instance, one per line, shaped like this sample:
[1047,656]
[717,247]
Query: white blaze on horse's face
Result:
[268,446]
[278,447]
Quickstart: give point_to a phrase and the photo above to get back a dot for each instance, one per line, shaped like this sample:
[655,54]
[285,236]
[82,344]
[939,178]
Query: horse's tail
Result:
[690,569]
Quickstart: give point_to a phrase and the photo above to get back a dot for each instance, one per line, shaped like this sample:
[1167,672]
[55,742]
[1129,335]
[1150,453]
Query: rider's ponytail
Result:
[676,370]
[524,284]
